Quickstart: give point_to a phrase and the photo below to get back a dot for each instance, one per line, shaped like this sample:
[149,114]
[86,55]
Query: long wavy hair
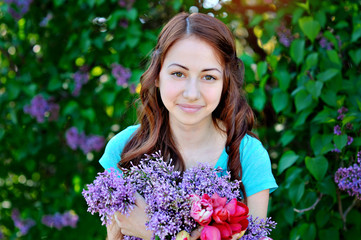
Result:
[233,110]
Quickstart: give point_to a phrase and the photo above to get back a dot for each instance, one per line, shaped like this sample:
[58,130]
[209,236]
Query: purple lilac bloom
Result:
[166,192]
[342,110]
[108,194]
[76,140]
[68,219]
[126,3]
[285,36]
[46,20]
[349,126]
[349,179]
[349,140]
[80,78]
[337,130]
[121,74]
[258,228]
[24,225]
[325,44]
[39,108]
[123,23]
[21,7]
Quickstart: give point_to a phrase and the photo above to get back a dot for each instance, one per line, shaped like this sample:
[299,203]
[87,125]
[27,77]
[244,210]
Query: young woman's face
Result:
[191,81]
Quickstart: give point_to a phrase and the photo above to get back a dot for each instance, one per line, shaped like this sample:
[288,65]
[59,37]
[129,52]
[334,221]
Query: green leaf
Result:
[279,100]
[329,234]
[322,217]
[321,143]
[302,100]
[326,115]
[256,20]
[355,55]
[287,137]
[132,14]
[259,99]
[298,50]
[296,191]
[308,231]
[301,118]
[317,166]
[327,75]
[314,87]
[89,114]
[309,27]
[333,56]
[287,160]
[283,78]
[328,186]
[261,69]
[356,34]
[340,141]
[329,97]
[311,60]
[289,215]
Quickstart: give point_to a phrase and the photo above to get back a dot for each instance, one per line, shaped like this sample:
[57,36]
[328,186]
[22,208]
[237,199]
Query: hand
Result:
[134,224]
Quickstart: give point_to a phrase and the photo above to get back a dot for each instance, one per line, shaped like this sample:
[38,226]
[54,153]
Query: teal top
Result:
[256,165]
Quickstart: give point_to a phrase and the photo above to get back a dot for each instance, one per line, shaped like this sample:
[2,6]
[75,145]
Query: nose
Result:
[191,90]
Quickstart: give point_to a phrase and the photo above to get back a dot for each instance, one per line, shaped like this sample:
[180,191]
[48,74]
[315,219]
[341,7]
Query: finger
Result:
[140,201]
[196,233]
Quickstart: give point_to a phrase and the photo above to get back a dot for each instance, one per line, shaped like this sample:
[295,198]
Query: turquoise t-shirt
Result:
[256,164]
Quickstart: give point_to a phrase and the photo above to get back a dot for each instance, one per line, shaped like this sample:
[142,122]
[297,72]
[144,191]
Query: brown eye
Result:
[178,74]
[209,78]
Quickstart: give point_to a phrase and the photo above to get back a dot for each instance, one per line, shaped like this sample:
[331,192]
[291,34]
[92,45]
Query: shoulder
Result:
[115,146]
[251,144]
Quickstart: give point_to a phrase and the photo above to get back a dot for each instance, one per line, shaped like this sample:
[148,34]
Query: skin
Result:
[190,84]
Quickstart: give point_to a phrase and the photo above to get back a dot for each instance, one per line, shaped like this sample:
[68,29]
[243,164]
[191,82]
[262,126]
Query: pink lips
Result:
[189,108]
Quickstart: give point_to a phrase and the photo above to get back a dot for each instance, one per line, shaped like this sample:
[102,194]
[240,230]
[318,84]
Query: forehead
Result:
[194,51]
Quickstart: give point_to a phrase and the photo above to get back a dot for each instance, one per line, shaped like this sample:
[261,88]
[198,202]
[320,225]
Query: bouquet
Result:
[177,203]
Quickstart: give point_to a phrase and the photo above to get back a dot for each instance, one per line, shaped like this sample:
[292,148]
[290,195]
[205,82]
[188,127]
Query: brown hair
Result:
[233,110]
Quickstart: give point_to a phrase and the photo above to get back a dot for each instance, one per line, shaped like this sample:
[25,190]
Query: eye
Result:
[178,74]
[209,78]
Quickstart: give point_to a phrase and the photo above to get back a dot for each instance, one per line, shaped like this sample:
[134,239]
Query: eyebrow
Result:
[204,70]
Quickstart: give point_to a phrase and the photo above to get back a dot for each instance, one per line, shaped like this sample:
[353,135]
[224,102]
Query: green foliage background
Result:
[295,91]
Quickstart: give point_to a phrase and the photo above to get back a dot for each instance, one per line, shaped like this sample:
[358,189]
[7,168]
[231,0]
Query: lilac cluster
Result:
[67,219]
[349,179]
[167,193]
[259,228]
[80,78]
[329,45]
[337,128]
[108,194]
[40,108]
[285,35]
[87,144]
[24,225]
[121,74]
[126,3]
[21,7]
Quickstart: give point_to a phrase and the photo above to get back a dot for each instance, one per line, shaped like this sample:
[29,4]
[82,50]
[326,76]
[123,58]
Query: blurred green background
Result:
[69,81]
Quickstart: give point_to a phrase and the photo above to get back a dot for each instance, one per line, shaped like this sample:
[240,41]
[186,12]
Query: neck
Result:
[192,137]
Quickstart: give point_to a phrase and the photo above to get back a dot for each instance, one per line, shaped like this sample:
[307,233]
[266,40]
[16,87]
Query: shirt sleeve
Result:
[256,167]
[114,148]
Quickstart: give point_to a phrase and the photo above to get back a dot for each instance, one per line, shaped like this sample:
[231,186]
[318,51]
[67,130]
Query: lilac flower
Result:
[69,218]
[349,179]
[123,23]
[258,228]
[166,192]
[76,140]
[342,110]
[349,140]
[21,7]
[285,35]
[121,74]
[46,20]
[108,194]
[349,126]
[126,3]
[24,225]
[325,44]
[40,108]
[80,78]
[337,130]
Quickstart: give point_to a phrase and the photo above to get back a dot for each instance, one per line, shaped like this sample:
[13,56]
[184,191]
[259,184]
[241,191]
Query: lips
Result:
[190,108]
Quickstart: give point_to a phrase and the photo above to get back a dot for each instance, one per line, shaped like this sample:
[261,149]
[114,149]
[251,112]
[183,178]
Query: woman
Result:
[194,110]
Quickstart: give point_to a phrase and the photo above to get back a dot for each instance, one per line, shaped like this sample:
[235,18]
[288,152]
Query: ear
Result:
[157,82]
